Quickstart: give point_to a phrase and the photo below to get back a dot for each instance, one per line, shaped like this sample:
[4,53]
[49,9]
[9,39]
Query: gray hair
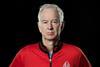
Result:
[45,6]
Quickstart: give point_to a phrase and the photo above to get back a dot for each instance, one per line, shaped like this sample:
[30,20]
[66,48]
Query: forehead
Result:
[49,13]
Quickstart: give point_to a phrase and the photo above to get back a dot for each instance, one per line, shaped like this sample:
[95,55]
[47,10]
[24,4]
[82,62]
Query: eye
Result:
[54,21]
[45,22]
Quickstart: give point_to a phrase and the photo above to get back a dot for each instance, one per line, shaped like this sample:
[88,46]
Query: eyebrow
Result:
[51,20]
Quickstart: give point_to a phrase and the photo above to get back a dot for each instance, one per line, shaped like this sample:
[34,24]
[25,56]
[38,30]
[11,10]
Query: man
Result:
[50,52]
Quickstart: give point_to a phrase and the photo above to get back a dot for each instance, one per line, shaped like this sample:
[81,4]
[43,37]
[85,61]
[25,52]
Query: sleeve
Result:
[84,62]
[17,61]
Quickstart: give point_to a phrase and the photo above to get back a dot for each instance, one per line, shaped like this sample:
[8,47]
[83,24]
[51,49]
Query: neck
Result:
[49,44]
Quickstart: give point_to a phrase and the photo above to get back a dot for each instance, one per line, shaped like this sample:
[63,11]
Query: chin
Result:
[51,38]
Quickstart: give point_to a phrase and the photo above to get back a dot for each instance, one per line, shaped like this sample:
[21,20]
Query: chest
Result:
[43,60]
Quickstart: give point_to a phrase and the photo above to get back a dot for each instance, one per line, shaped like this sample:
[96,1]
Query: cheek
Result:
[58,29]
[57,26]
[42,29]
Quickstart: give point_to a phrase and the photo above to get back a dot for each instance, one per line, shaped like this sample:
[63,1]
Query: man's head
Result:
[50,21]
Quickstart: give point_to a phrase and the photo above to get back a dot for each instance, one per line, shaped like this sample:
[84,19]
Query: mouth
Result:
[50,33]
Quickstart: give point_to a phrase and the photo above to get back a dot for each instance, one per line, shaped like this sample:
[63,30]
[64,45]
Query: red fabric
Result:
[32,56]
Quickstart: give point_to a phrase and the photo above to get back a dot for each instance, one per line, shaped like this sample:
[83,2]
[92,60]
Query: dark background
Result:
[79,23]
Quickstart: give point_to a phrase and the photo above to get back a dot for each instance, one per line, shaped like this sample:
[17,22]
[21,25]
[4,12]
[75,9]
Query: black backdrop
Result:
[79,23]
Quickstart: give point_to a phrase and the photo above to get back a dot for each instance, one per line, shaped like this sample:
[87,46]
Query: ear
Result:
[38,24]
[62,26]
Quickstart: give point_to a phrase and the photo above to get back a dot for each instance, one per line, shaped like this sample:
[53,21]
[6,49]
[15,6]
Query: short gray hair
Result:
[45,6]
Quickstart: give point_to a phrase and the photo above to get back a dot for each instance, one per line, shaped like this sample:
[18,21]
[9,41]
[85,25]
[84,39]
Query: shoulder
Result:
[28,48]
[72,49]
[70,46]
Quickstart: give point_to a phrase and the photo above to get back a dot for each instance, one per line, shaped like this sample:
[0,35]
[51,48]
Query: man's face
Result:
[50,26]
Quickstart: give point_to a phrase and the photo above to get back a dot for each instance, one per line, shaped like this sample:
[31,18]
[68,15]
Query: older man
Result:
[50,52]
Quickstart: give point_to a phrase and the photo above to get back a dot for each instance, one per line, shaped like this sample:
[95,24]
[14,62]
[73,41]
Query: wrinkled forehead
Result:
[49,13]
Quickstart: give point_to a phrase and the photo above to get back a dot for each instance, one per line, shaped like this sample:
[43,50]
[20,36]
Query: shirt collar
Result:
[55,49]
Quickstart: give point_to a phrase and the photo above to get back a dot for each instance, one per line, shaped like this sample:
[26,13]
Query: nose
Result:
[50,27]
